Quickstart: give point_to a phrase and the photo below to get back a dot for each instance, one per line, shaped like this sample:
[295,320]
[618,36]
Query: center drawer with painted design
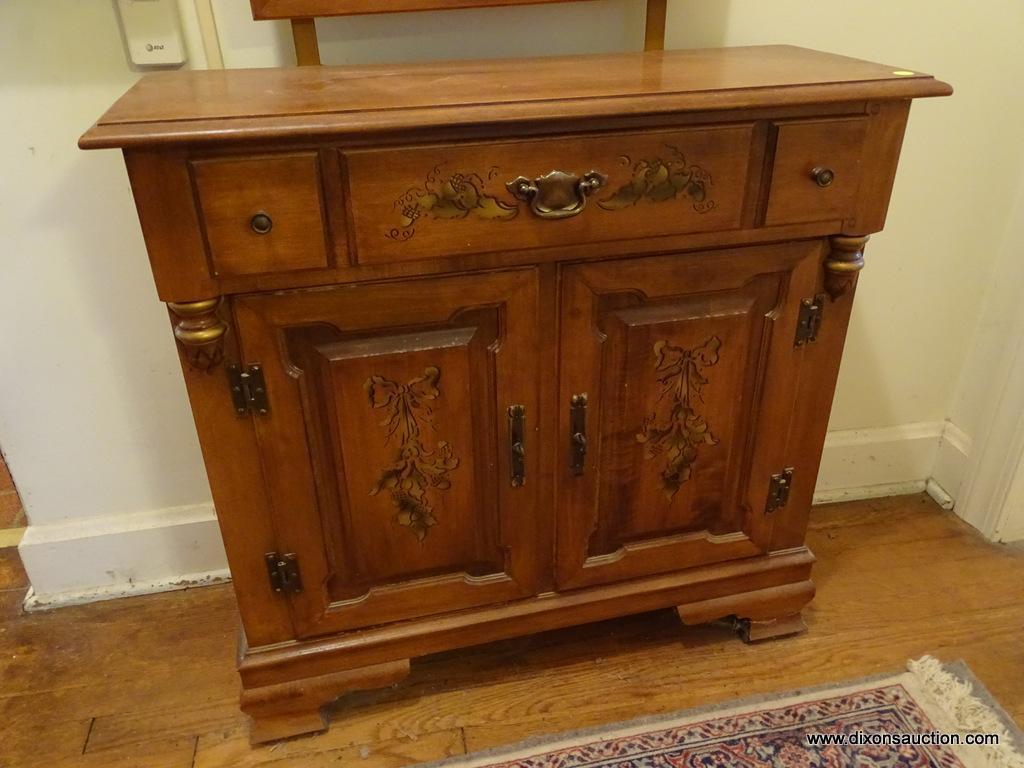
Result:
[430,201]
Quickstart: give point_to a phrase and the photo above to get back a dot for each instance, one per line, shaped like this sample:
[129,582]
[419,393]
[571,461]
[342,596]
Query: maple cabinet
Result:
[510,349]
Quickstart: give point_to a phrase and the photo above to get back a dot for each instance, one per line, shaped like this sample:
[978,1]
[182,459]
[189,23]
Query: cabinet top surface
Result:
[257,104]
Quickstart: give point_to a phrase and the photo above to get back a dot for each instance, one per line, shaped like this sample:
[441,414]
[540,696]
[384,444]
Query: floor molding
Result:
[950,467]
[868,463]
[857,493]
[1013,532]
[939,494]
[84,560]
[35,602]
[891,461]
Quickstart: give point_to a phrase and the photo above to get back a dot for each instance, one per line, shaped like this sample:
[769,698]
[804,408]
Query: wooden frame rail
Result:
[303,13]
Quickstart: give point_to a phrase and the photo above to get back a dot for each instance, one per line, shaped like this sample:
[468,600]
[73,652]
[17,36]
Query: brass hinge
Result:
[248,390]
[809,321]
[778,490]
[284,572]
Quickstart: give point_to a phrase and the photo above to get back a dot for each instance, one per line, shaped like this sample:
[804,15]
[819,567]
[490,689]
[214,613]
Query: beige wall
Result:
[93,415]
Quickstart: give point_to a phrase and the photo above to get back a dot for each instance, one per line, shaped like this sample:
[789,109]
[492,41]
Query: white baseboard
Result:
[890,461]
[99,558]
[951,462]
[35,602]
[938,494]
[1010,525]
[1013,532]
[78,561]
[855,493]
[867,463]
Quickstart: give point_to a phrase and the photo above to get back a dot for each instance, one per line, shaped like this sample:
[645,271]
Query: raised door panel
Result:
[688,368]
[385,447]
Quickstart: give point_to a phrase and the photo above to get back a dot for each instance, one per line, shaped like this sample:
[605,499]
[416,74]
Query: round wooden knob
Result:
[261,223]
[823,177]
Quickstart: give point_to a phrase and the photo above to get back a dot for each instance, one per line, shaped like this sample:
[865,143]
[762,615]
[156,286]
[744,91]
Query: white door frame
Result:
[992,498]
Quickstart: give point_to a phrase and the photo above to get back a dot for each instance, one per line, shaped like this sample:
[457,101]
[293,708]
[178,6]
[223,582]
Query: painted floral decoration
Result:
[415,468]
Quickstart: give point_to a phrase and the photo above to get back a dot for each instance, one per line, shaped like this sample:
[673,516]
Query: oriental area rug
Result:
[931,715]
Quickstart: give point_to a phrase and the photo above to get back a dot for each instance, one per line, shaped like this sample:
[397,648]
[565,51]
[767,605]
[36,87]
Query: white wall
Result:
[92,408]
[93,416]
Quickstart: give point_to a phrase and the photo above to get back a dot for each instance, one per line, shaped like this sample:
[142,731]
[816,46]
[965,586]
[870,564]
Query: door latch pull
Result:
[516,445]
[578,432]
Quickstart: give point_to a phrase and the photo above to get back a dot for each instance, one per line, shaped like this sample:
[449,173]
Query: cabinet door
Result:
[386,445]
[689,372]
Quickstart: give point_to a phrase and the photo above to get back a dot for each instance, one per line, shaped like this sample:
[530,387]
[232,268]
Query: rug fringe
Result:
[956,699]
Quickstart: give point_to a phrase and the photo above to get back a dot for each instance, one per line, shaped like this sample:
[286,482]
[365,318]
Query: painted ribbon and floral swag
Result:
[415,468]
[675,429]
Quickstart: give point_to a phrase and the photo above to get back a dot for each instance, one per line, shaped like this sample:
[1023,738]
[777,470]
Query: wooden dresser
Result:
[480,349]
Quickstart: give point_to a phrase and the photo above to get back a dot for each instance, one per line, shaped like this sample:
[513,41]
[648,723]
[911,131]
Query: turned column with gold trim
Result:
[844,261]
[200,331]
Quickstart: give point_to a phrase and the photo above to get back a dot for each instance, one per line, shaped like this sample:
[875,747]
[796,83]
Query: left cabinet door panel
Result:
[385,447]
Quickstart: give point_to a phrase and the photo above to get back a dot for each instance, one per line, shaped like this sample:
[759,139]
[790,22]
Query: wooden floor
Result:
[150,681]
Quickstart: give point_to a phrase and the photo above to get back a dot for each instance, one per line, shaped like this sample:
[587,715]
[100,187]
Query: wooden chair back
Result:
[303,13]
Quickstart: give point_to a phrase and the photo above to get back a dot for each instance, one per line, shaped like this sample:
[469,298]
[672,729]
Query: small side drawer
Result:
[817,171]
[262,214]
[434,201]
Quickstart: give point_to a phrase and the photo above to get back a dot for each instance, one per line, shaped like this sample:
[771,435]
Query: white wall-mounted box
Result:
[152,32]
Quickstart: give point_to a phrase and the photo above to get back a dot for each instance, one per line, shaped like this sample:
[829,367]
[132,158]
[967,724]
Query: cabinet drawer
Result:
[262,214]
[817,171]
[428,201]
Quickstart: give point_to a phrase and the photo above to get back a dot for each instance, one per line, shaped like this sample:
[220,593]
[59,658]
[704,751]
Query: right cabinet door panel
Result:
[688,370]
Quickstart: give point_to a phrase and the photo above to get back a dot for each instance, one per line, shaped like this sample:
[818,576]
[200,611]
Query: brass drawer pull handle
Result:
[578,432]
[823,177]
[557,195]
[516,445]
[261,223]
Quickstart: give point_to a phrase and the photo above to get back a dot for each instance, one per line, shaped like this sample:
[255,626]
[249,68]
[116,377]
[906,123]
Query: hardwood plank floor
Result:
[149,681]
